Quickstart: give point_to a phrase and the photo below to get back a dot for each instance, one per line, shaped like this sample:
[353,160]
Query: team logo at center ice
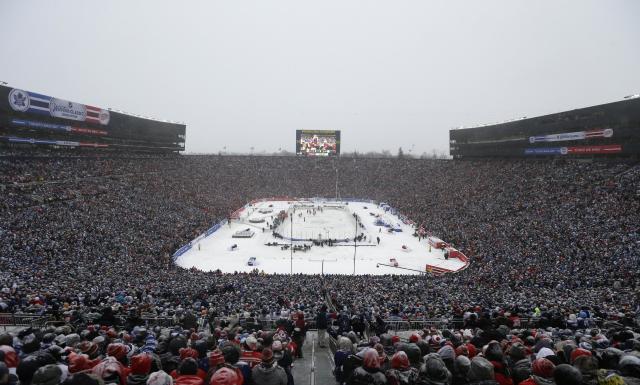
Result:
[19,100]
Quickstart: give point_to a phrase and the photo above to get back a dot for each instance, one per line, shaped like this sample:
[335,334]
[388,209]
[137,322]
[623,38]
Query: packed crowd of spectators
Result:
[558,240]
[487,350]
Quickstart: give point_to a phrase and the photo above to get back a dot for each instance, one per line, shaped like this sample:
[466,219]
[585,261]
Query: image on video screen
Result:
[318,143]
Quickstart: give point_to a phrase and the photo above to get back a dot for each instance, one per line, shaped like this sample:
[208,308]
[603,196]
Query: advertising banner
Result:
[578,135]
[543,151]
[576,150]
[67,143]
[605,149]
[31,102]
[56,127]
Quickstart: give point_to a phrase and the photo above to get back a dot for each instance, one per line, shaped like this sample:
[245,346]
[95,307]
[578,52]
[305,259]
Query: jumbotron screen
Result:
[318,142]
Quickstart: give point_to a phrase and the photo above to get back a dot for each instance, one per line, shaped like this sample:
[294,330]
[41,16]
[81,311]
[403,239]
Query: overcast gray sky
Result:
[248,73]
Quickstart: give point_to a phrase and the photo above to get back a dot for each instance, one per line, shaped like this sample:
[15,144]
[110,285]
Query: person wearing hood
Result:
[47,375]
[542,373]
[414,354]
[30,364]
[448,356]
[369,373]
[110,370]
[481,372]
[268,372]
[588,366]
[519,363]
[630,369]
[494,354]
[160,378]
[140,368]
[567,375]
[345,349]
[461,366]
[434,371]
[401,373]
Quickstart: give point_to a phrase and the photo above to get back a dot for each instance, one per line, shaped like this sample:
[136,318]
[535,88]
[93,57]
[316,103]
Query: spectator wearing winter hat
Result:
[140,368]
[217,362]
[401,373]
[542,373]
[89,348]
[250,353]
[577,353]
[268,372]
[119,351]
[80,362]
[369,373]
[226,376]
[283,357]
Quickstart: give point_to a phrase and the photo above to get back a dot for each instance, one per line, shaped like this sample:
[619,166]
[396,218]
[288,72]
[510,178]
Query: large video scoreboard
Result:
[32,118]
[607,129]
[318,142]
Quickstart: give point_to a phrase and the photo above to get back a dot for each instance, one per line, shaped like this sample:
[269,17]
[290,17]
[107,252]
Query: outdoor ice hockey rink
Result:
[322,234]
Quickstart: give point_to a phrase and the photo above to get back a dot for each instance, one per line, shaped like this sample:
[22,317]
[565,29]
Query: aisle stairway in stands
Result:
[316,365]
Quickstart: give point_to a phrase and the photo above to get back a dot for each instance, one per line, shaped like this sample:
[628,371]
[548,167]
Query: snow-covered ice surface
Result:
[214,252]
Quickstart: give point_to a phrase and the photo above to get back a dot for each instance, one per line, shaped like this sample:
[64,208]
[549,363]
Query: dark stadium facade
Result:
[32,119]
[611,129]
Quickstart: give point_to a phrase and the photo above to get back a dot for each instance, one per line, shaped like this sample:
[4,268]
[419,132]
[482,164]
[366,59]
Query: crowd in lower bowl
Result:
[554,240]
[487,350]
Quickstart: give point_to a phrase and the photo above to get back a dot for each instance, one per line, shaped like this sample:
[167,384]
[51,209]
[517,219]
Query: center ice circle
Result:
[314,236]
